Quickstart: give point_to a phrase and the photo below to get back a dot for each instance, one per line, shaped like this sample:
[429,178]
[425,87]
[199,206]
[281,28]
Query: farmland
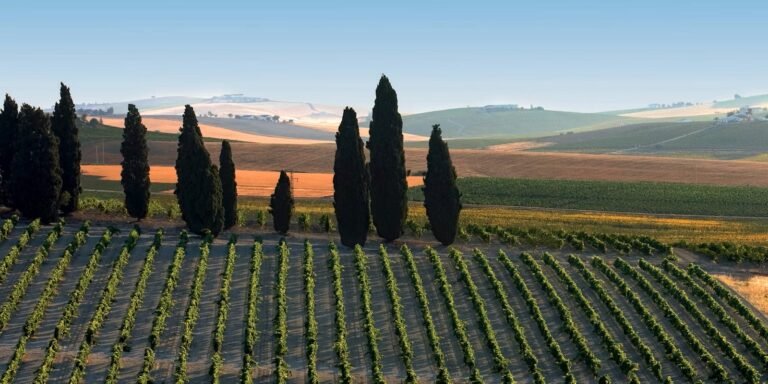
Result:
[86,302]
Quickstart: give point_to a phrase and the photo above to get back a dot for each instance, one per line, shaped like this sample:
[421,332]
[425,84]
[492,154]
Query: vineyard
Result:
[87,303]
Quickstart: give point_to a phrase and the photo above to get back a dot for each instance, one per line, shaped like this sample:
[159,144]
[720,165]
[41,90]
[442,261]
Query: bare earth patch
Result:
[754,288]
[518,146]
[169,126]
[249,183]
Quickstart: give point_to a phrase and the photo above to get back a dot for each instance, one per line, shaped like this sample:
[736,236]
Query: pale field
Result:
[753,288]
[210,131]
[249,183]
[518,146]
[694,110]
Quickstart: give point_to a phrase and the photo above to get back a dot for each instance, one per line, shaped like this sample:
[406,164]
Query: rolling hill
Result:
[477,122]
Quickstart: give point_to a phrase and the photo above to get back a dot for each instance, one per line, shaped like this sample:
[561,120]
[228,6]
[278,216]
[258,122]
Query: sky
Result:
[565,55]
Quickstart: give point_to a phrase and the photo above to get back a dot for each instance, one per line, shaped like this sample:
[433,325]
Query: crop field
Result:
[89,303]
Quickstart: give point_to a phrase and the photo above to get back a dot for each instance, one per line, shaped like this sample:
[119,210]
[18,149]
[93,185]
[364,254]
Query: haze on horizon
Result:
[590,56]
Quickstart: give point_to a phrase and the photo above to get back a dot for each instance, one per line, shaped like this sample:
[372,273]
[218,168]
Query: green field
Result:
[637,197]
[694,139]
[744,101]
[478,123]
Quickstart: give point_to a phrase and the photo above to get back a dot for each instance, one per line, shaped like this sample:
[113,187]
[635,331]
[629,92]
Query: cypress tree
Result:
[36,176]
[228,185]
[65,129]
[135,173]
[9,127]
[198,187]
[281,204]
[350,182]
[441,195]
[389,187]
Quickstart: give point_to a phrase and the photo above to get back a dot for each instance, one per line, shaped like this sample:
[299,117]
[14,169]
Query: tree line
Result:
[40,158]
[40,172]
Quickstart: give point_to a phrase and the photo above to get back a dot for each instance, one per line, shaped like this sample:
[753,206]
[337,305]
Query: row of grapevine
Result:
[341,346]
[717,309]
[20,288]
[535,311]
[670,347]
[614,347]
[618,315]
[459,327]
[509,315]
[251,332]
[223,310]
[310,326]
[594,241]
[406,350]
[137,298]
[281,317]
[500,363]
[718,373]
[163,309]
[35,319]
[727,251]
[8,225]
[747,370]
[443,376]
[102,311]
[565,314]
[361,266]
[732,300]
[13,254]
[70,310]
[192,312]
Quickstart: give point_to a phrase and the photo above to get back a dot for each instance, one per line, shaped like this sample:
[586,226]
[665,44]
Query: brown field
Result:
[249,182]
[170,126]
[754,288]
[485,163]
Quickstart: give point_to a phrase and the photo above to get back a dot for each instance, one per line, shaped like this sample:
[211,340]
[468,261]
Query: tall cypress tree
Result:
[9,127]
[281,204]
[65,129]
[228,185]
[441,195]
[135,173]
[389,187]
[36,175]
[198,187]
[350,182]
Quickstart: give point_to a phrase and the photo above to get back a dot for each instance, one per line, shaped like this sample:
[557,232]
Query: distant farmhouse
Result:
[744,114]
[501,107]
[236,98]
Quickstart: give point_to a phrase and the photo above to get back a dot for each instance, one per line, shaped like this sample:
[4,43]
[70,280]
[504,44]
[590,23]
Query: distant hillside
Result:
[692,139]
[121,108]
[477,122]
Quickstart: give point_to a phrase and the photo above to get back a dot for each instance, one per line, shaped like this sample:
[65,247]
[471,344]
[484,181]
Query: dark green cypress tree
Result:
[281,204]
[350,182]
[9,127]
[389,187]
[65,129]
[135,173]
[36,175]
[441,195]
[228,185]
[198,187]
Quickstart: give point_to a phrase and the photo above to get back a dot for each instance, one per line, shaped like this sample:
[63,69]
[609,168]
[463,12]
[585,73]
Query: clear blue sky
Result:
[569,55]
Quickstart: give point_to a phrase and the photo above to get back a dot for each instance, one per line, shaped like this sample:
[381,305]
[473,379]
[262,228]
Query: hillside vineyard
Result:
[84,303]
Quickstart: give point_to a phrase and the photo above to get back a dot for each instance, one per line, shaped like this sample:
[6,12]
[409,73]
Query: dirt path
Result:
[667,141]
[297,313]
[325,308]
[132,359]
[168,346]
[265,351]
[24,259]
[389,343]
[234,333]
[64,362]
[356,338]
